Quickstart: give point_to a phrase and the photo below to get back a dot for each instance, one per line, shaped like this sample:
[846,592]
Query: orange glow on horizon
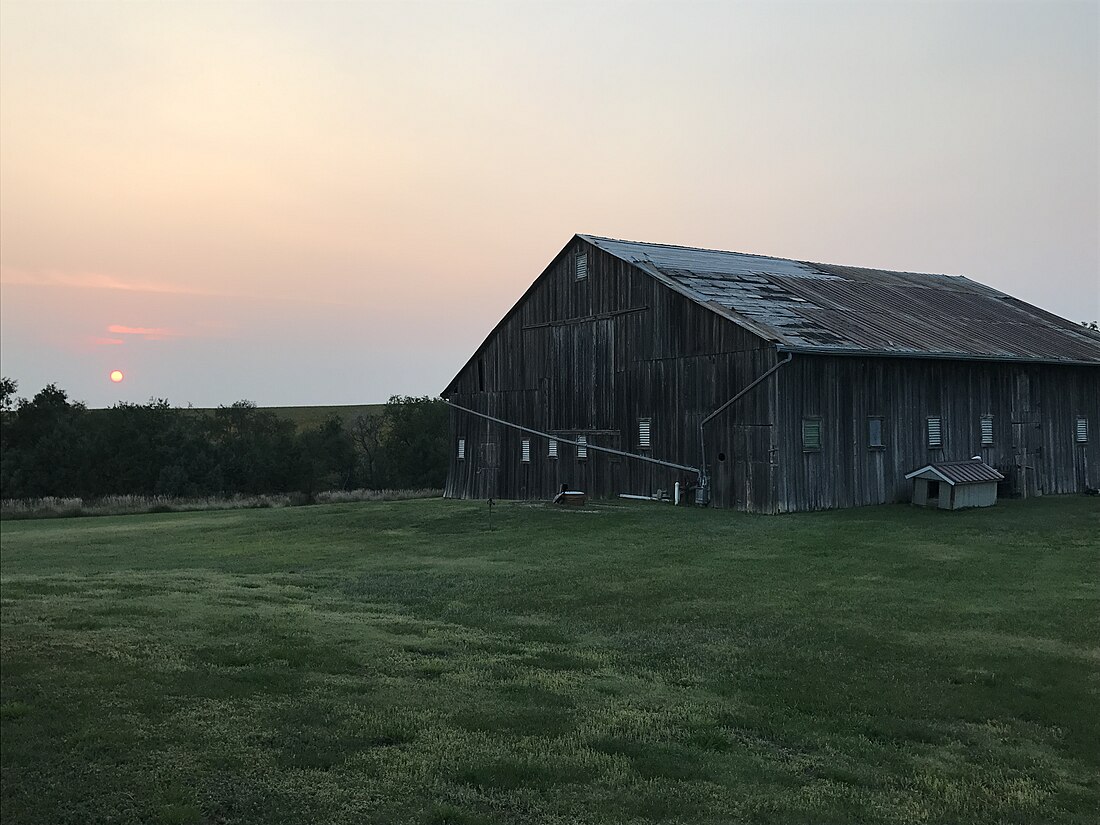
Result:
[117,376]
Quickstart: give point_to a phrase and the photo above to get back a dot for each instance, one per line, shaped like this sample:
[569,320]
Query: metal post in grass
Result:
[491,503]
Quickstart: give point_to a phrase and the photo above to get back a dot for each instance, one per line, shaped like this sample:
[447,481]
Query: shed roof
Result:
[825,308]
[974,471]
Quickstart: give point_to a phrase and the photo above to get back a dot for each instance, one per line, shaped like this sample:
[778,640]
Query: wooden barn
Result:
[766,384]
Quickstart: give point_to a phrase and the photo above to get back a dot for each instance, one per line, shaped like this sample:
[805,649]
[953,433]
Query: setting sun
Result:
[116,375]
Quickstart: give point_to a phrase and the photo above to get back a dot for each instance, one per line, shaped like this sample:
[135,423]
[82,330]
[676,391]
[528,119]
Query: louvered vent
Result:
[582,446]
[461,448]
[552,448]
[525,456]
[643,433]
[1082,430]
[582,265]
[811,433]
[935,432]
[987,430]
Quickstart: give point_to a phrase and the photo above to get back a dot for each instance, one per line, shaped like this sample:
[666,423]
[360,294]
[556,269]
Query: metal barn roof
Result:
[974,471]
[810,307]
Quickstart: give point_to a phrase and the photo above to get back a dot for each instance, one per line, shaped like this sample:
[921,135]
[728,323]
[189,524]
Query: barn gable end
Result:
[596,357]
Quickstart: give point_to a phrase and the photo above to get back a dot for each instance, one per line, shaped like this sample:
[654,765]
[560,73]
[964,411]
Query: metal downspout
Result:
[590,446]
[702,439]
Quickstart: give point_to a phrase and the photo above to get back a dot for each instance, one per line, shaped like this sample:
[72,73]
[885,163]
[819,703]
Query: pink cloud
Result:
[107,342]
[150,333]
[93,280]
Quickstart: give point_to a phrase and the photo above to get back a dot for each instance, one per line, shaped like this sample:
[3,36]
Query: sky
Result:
[331,203]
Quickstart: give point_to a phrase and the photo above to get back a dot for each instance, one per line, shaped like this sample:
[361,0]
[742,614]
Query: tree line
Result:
[53,446]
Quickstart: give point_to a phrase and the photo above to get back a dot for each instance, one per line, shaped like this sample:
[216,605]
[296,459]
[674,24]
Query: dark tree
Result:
[415,433]
[326,458]
[254,449]
[366,436]
[46,445]
[54,447]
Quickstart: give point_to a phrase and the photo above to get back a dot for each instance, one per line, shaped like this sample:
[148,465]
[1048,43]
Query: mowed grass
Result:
[399,662]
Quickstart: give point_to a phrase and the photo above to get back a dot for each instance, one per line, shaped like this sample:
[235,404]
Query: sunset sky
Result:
[330,203]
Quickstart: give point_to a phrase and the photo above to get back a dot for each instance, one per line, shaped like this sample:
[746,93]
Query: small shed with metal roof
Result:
[955,485]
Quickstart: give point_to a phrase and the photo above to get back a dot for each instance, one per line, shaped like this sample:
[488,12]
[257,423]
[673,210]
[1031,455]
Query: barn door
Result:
[605,469]
[615,472]
[720,465]
[1026,436]
[488,469]
[1026,480]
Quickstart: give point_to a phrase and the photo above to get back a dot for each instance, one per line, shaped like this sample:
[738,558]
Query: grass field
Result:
[398,662]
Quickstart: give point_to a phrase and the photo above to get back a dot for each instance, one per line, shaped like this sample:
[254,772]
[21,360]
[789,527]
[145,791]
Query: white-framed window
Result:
[874,432]
[987,430]
[935,432]
[581,265]
[552,448]
[643,433]
[461,449]
[1082,430]
[525,451]
[811,433]
[582,447]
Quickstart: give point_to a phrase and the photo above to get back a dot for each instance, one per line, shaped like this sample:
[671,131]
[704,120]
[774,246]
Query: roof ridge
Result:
[589,237]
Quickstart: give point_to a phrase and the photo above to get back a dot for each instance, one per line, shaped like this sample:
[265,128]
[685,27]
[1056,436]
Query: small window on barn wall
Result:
[643,433]
[987,430]
[461,448]
[811,434]
[525,451]
[581,267]
[552,448]
[874,432]
[1082,430]
[582,447]
[935,432]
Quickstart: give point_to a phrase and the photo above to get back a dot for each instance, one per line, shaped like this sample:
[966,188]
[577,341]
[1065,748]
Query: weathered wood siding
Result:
[590,358]
[1034,409]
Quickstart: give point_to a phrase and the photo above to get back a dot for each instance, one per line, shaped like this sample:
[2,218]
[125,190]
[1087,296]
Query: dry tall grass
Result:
[55,507]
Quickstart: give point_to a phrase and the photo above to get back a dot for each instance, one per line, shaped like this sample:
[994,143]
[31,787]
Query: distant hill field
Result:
[306,417]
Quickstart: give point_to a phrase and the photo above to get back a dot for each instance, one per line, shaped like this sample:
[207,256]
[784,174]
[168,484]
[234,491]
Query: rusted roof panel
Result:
[828,308]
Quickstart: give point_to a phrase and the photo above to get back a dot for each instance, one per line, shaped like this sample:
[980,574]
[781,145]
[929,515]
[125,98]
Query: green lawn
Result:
[398,662]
